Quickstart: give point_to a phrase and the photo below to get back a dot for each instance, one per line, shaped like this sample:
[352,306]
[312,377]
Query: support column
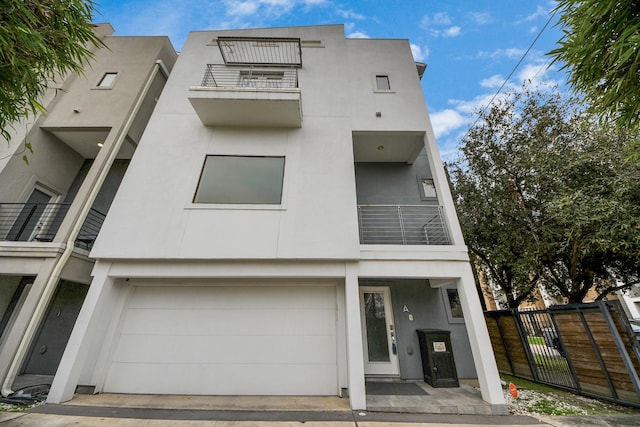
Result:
[90,338]
[481,349]
[355,357]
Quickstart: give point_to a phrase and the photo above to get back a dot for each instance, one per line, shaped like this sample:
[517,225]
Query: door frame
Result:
[392,367]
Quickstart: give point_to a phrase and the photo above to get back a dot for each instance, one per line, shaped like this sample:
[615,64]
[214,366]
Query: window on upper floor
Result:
[241,180]
[427,188]
[261,79]
[382,82]
[108,80]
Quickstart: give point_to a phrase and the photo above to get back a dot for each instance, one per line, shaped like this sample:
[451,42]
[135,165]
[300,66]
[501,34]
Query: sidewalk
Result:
[65,415]
[197,411]
[237,411]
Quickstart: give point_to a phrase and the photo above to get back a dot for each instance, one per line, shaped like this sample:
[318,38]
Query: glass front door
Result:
[378,333]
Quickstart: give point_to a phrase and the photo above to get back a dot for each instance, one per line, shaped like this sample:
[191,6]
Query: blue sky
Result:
[470,46]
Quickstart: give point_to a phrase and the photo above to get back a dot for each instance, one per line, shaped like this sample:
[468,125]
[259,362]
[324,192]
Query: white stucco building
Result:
[284,228]
[52,205]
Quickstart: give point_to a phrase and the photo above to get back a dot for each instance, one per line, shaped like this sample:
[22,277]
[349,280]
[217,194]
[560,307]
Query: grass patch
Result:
[542,399]
[536,340]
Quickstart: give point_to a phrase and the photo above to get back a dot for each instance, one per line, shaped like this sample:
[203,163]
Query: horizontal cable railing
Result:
[90,229]
[40,222]
[402,225]
[249,77]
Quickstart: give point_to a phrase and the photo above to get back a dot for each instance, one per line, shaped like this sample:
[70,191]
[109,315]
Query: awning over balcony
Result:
[267,51]
[374,146]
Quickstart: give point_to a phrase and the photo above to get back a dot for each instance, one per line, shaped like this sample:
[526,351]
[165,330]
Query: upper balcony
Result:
[256,87]
[402,225]
[40,222]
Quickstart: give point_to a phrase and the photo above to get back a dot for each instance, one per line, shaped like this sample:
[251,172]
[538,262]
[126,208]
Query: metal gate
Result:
[588,348]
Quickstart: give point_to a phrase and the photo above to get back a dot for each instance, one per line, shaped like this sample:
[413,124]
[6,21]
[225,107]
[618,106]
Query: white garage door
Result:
[227,340]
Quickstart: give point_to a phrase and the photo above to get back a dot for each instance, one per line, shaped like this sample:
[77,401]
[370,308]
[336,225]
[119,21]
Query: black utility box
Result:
[437,358]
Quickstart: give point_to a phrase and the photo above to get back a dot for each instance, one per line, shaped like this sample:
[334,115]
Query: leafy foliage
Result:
[40,40]
[546,196]
[600,47]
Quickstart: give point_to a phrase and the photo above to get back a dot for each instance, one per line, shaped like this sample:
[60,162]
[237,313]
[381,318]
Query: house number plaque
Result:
[439,346]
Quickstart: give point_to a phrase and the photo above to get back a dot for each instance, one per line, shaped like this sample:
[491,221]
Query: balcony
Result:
[248,96]
[402,225]
[39,222]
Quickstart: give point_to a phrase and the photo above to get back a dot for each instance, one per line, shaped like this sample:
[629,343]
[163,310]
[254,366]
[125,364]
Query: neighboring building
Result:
[630,300]
[284,228]
[52,207]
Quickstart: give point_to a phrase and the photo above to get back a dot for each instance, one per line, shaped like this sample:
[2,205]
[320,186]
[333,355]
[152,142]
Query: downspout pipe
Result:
[54,277]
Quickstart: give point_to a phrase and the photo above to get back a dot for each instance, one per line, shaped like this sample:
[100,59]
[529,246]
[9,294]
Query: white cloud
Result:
[349,14]
[435,24]
[358,35]
[540,11]
[493,82]
[481,18]
[446,121]
[241,8]
[420,54]
[251,8]
[511,53]
[441,18]
[451,32]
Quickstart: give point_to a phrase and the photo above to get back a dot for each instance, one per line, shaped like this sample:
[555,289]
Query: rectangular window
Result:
[427,188]
[108,80]
[261,79]
[454,303]
[241,180]
[382,82]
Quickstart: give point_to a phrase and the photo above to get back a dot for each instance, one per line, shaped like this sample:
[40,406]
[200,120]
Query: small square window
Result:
[454,303]
[382,82]
[108,80]
[241,180]
[427,188]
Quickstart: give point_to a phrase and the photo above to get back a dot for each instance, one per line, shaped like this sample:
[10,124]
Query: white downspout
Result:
[54,277]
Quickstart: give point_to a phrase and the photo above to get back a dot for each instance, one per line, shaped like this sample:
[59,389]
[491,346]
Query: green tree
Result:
[600,47]
[545,196]
[40,40]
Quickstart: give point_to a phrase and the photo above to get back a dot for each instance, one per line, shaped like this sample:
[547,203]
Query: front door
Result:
[378,332]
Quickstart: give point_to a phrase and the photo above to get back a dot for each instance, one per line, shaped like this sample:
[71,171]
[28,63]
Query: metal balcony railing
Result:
[402,225]
[223,76]
[28,222]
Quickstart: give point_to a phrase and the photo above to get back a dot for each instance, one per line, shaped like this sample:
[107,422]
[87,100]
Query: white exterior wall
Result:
[155,232]
[55,163]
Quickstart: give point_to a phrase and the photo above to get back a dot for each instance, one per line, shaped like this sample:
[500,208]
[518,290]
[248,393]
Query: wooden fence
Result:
[587,348]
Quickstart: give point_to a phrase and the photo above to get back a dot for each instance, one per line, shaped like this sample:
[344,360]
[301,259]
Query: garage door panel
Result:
[231,297]
[207,349]
[245,340]
[221,379]
[218,322]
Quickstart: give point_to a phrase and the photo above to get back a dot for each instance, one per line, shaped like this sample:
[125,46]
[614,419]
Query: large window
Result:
[241,180]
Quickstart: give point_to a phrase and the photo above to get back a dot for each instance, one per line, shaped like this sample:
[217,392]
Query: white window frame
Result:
[111,80]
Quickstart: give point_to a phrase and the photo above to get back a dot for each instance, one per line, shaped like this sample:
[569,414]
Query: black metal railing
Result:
[249,77]
[402,225]
[40,222]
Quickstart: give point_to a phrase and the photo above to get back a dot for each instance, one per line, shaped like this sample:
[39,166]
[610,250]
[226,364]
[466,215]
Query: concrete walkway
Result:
[243,411]
[235,411]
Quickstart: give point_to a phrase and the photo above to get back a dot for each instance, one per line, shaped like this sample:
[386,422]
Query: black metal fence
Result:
[587,348]
[40,222]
